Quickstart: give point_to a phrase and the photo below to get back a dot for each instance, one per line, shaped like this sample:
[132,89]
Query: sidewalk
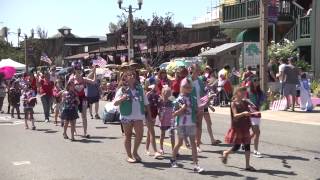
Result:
[311,118]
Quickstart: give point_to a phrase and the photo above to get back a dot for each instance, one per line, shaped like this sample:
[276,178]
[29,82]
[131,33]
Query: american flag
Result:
[45,58]
[204,101]
[110,58]
[279,105]
[99,62]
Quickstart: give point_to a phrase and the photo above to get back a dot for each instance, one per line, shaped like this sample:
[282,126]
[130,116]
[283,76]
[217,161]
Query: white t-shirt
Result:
[136,111]
[195,83]
[281,69]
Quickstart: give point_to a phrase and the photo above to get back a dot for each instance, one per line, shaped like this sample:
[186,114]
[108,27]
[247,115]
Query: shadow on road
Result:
[221,173]
[87,141]
[103,137]
[47,130]
[159,165]
[284,159]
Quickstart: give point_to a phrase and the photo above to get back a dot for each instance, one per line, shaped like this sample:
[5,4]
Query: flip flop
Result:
[130,160]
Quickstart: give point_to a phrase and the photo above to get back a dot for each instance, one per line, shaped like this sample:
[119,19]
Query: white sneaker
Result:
[199,149]
[173,163]
[257,154]
[198,169]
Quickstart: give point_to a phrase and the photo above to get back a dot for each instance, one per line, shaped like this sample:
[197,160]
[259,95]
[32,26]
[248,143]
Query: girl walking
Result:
[133,104]
[185,112]
[57,91]
[153,99]
[166,118]
[256,98]
[69,112]
[29,101]
[239,133]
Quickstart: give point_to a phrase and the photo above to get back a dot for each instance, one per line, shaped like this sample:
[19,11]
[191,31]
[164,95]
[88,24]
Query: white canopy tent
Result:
[12,63]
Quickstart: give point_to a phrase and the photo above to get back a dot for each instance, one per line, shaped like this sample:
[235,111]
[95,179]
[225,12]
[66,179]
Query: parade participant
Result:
[305,97]
[46,94]
[256,97]
[162,80]
[239,133]
[80,84]
[198,92]
[133,104]
[153,99]
[181,73]
[57,91]
[185,112]
[33,82]
[247,74]
[29,101]
[209,80]
[69,113]
[3,88]
[14,98]
[93,96]
[166,118]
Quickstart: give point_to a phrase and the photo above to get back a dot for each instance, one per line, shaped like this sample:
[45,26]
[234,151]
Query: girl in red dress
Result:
[239,133]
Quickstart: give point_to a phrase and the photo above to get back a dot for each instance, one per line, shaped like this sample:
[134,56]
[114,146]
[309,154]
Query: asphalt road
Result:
[291,151]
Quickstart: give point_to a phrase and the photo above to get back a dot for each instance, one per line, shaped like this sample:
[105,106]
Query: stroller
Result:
[110,114]
[224,92]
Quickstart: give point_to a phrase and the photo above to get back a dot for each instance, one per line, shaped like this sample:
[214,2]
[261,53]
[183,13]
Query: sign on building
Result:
[250,54]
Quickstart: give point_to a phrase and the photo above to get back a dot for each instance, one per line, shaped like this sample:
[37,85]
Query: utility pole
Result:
[130,34]
[263,43]
[25,53]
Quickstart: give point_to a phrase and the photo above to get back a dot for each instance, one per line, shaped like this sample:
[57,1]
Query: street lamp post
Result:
[130,10]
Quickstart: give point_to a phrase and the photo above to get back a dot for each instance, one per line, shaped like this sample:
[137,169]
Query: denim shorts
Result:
[186,131]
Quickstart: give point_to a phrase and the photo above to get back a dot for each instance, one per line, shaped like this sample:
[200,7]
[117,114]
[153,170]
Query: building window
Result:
[66,32]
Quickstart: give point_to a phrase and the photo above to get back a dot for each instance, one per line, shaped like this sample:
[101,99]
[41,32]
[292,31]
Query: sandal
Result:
[216,142]
[138,159]
[87,136]
[157,155]
[65,136]
[224,158]
[130,160]
[250,168]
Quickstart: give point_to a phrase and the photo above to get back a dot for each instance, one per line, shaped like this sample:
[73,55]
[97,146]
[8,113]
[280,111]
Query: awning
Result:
[78,56]
[222,49]
[248,35]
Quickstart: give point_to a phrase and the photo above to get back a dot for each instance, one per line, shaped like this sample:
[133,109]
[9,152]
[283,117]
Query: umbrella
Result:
[8,71]
[173,65]
[64,71]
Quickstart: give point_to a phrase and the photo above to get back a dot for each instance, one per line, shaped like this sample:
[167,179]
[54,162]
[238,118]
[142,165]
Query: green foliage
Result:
[282,50]
[303,65]
[8,51]
[314,85]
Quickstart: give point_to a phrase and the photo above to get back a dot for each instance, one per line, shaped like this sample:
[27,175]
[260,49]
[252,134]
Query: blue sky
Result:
[89,17]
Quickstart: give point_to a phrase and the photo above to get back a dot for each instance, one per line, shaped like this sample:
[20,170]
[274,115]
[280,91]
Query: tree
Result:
[113,27]
[43,34]
[8,51]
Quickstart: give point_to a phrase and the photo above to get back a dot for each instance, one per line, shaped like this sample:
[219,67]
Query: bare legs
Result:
[256,135]
[163,135]
[235,148]
[65,127]
[207,118]
[138,128]
[151,138]
[84,118]
[199,130]
[193,147]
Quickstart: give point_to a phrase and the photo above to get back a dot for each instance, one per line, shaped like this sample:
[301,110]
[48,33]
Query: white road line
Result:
[19,163]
